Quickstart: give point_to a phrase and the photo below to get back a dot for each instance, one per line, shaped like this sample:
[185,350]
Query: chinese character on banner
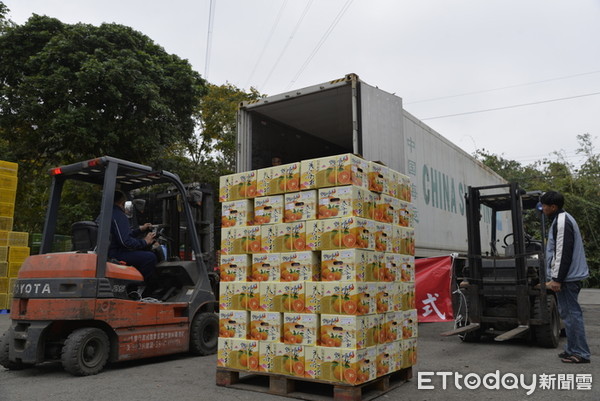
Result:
[433,294]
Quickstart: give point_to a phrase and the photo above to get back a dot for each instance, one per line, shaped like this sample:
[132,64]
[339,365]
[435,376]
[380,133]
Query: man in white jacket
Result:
[567,266]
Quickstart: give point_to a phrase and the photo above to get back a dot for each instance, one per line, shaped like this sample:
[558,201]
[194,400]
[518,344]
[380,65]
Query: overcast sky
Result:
[496,54]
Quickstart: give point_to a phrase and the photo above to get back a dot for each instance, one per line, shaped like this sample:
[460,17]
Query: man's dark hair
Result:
[119,196]
[553,198]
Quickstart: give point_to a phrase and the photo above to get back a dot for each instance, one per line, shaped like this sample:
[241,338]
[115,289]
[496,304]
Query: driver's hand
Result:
[146,227]
[553,285]
[150,237]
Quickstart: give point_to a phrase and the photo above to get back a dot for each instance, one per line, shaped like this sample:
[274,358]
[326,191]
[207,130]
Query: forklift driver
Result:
[125,244]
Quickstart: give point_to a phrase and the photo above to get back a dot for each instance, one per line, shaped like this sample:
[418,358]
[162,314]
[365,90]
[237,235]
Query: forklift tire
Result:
[204,333]
[85,351]
[547,335]
[4,361]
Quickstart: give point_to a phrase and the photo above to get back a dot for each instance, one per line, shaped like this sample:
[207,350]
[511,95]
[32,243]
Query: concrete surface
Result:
[184,378]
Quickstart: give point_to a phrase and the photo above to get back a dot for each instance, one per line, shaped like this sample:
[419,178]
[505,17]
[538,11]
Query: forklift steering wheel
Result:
[506,237]
[528,238]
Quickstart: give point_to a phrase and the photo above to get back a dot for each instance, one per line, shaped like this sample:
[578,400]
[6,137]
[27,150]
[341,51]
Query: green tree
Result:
[73,92]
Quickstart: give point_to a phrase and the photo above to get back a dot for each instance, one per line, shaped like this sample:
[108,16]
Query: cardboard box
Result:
[268,237]
[378,177]
[237,213]
[300,266]
[314,234]
[344,169]
[409,324]
[404,188]
[235,267]
[384,359]
[348,366]
[405,215]
[409,352]
[266,356]
[355,332]
[403,240]
[265,267]
[384,297]
[350,232]
[392,327]
[347,298]
[383,237]
[386,209]
[248,240]
[252,294]
[290,237]
[268,209]
[234,324]
[237,186]
[345,201]
[226,187]
[300,206]
[409,299]
[314,291]
[391,267]
[407,268]
[289,360]
[232,296]
[345,264]
[278,179]
[266,326]
[238,354]
[272,296]
[300,328]
[228,237]
[314,358]
[374,268]
[308,174]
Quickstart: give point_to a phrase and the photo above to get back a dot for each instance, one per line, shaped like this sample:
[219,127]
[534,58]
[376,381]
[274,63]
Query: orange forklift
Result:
[84,309]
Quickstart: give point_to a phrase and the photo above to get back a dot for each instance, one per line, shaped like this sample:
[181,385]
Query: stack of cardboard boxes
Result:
[13,245]
[317,270]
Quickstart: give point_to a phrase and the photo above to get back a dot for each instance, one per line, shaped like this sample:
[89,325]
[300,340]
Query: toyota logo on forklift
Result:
[31,288]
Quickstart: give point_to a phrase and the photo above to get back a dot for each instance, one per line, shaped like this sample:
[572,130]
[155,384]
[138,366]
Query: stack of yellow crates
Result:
[317,270]
[13,245]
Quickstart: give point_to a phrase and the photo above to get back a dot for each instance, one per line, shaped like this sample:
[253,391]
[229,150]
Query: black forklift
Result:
[501,290]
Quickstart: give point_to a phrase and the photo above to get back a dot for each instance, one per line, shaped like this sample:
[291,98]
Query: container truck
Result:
[349,116]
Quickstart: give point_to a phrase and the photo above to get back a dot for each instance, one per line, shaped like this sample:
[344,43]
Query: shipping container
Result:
[349,116]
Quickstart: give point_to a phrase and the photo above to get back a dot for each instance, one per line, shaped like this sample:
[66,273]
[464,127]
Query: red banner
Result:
[433,295]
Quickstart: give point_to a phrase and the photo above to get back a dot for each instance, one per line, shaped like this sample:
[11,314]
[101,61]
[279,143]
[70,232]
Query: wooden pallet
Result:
[309,389]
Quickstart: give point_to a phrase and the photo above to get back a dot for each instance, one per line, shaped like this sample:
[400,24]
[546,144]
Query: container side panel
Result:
[382,127]
[440,173]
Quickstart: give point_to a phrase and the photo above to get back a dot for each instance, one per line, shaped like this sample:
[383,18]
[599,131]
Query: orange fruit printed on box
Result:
[342,201]
[300,328]
[265,326]
[300,206]
[407,265]
[386,209]
[405,214]
[299,266]
[410,324]
[233,324]
[268,209]
[383,237]
[238,354]
[289,360]
[345,331]
[404,188]
[237,213]
[232,296]
[390,269]
[291,237]
[265,267]
[235,267]
[387,354]
[345,264]
[378,177]
[392,327]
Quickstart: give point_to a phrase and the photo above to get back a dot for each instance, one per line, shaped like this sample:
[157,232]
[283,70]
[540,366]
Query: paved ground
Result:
[188,378]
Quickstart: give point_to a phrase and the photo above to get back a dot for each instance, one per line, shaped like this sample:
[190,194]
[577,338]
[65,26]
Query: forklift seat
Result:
[84,235]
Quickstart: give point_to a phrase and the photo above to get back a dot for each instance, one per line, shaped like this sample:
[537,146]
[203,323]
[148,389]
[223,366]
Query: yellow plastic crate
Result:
[8,168]
[4,284]
[8,182]
[13,269]
[7,209]
[3,269]
[6,224]
[4,301]
[11,284]
[3,254]
[8,195]
[16,238]
[18,253]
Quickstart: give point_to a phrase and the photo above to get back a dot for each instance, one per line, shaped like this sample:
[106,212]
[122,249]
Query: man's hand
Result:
[553,285]
[149,238]
[146,227]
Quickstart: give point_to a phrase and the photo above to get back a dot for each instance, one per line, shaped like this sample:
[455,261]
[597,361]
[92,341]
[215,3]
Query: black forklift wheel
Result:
[85,351]
[4,349]
[547,335]
[204,333]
